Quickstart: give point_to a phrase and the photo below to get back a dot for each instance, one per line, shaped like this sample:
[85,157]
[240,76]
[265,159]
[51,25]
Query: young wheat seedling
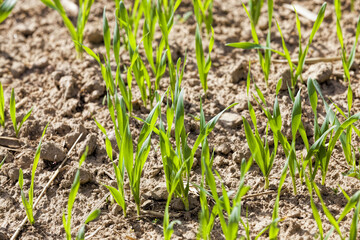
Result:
[28,204]
[17,126]
[203,10]
[73,192]
[77,33]
[5,8]
[346,61]
[2,106]
[203,65]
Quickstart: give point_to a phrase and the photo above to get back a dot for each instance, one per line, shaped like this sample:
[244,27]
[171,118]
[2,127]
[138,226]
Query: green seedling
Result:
[2,106]
[223,204]
[275,123]
[295,71]
[174,158]
[203,65]
[73,192]
[76,33]
[113,83]
[352,5]
[353,202]
[158,66]
[137,65]
[260,148]
[253,15]
[29,204]
[136,12]
[206,217]
[255,10]
[203,10]
[2,162]
[320,150]
[346,137]
[5,8]
[273,228]
[133,166]
[167,225]
[346,61]
[165,11]
[91,217]
[17,126]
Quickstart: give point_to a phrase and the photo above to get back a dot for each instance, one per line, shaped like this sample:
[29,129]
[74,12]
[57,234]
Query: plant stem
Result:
[138,209]
[186,204]
[79,54]
[266,183]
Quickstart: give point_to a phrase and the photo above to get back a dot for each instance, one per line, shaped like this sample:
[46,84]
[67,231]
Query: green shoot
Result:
[123,136]
[17,126]
[255,9]
[5,8]
[137,66]
[165,12]
[174,158]
[206,217]
[295,71]
[77,33]
[203,65]
[167,225]
[260,149]
[203,10]
[253,15]
[113,83]
[353,202]
[2,106]
[273,229]
[223,203]
[136,12]
[346,61]
[352,5]
[91,217]
[28,204]
[73,192]
[275,123]
[2,162]
[321,150]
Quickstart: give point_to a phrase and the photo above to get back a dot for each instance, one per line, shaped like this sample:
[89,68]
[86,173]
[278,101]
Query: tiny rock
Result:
[41,62]
[52,152]
[224,148]
[71,8]
[17,69]
[90,142]
[56,75]
[95,35]
[68,83]
[76,130]
[286,79]
[25,29]
[320,72]
[85,176]
[238,71]
[13,174]
[160,192]
[231,120]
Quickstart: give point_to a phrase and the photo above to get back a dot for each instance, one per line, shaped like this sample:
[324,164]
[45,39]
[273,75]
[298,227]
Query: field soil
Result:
[38,60]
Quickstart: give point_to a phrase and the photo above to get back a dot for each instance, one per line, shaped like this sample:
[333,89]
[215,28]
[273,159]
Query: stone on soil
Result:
[320,72]
[52,152]
[90,141]
[68,83]
[17,69]
[231,120]
[238,71]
